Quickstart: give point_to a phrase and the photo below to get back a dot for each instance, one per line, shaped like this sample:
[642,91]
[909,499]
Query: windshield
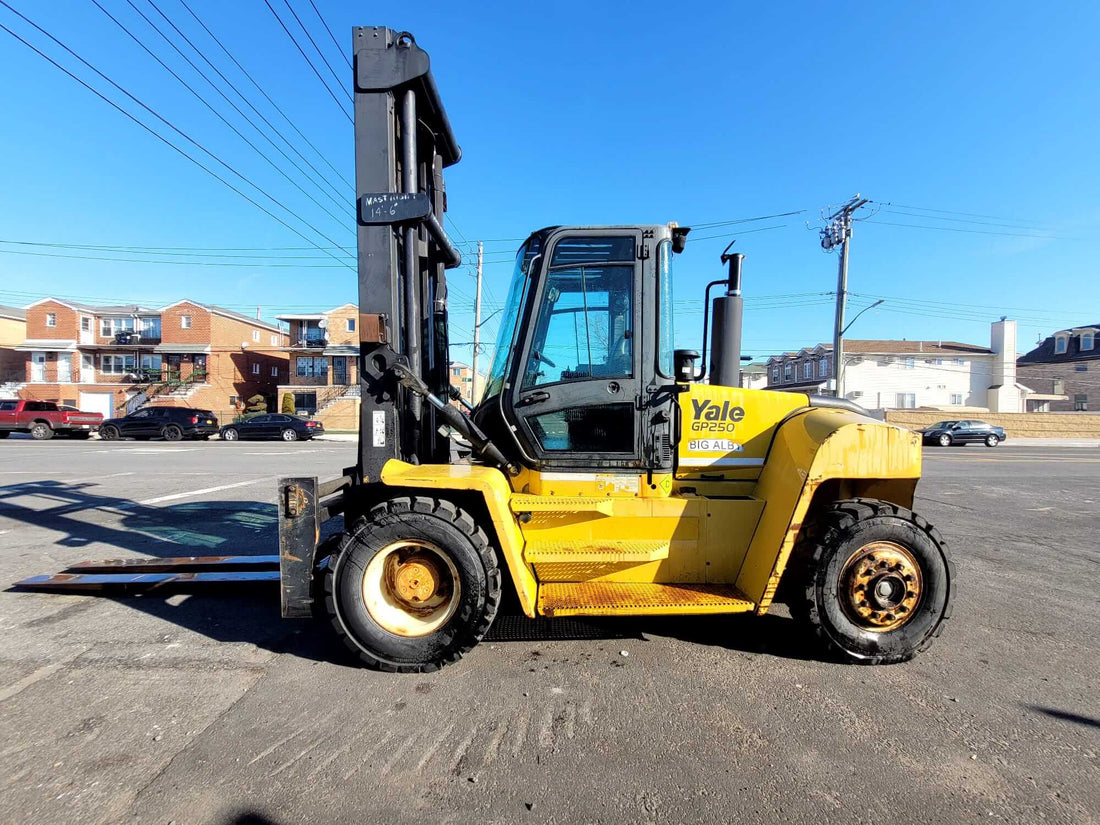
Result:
[510,317]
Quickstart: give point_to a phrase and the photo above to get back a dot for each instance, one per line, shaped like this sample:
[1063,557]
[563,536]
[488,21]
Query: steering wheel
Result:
[540,357]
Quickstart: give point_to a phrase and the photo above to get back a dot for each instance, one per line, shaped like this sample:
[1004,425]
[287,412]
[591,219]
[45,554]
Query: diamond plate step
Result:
[630,599]
[561,504]
[607,551]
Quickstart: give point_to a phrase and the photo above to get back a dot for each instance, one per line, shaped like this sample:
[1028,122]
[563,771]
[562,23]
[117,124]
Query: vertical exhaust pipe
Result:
[725,342]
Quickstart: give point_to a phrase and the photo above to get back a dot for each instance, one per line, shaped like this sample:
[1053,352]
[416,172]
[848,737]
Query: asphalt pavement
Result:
[209,708]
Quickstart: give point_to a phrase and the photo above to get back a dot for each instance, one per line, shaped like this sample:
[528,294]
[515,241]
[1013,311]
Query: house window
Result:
[305,402]
[255,369]
[85,324]
[117,364]
[1087,340]
[1059,386]
[808,370]
[910,363]
[274,372]
[351,325]
[787,371]
[906,401]
[1060,345]
[456,372]
[274,340]
[51,320]
[1081,367]
[1081,403]
[775,374]
[937,360]
[959,362]
[256,335]
[185,322]
[311,367]
[234,400]
[823,368]
[151,363]
[956,399]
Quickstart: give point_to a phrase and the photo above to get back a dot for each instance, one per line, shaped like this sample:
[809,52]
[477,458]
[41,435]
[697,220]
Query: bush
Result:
[246,416]
[256,404]
[288,404]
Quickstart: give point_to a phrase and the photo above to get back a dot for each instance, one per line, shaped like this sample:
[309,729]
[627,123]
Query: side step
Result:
[561,504]
[630,599]
[609,551]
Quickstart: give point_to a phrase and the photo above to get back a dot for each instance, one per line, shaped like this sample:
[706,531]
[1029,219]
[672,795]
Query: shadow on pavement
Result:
[250,613]
[1066,716]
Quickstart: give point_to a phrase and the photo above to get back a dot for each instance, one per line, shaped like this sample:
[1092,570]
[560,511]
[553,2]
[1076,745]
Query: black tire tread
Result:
[809,553]
[446,511]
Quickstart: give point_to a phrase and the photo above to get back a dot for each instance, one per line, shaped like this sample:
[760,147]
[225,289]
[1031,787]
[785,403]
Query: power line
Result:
[330,34]
[336,77]
[958,220]
[177,263]
[310,62]
[972,231]
[207,103]
[950,212]
[207,251]
[346,200]
[267,97]
[156,134]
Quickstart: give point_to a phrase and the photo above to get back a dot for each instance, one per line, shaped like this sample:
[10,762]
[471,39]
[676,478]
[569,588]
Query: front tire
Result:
[992,440]
[874,581]
[231,434]
[945,440]
[413,585]
[41,431]
[290,435]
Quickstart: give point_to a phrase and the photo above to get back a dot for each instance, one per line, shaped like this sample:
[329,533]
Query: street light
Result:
[839,357]
[870,306]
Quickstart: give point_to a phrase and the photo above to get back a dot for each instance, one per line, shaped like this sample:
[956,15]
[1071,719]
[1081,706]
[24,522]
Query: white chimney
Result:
[1003,395]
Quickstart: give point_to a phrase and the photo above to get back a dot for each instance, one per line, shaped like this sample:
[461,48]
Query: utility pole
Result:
[838,232]
[477,323]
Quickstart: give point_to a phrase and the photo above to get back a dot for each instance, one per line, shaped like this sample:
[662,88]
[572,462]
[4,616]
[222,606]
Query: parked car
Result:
[275,426]
[169,423]
[44,420]
[946,433]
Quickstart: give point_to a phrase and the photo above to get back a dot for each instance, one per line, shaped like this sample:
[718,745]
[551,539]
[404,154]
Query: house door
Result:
[64,368]
[339,369]
[174,367]
[87,369]
[198,368]
[38,366]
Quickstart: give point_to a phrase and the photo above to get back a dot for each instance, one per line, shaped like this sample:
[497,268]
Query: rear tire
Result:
[992,440]
[41,431]
[873,581]
[172,433]
[363,592]
[108,433]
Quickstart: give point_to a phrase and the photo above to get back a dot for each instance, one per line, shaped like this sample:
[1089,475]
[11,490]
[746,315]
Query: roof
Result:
[117,309]
[1044,353]
[891,347]
[46,345]
[13,312]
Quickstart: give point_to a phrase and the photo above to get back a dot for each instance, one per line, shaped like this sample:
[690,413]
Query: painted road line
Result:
[93,478]
[203,491]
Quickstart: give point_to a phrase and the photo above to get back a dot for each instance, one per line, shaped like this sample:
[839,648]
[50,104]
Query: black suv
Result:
[169,423]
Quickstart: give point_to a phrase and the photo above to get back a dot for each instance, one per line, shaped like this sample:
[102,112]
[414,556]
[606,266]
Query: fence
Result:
[1018,425]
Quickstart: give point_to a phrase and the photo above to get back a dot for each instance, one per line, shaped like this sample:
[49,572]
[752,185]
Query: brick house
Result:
[1063,371]
[462,377]
[114,359]
[13,331]
[324,361]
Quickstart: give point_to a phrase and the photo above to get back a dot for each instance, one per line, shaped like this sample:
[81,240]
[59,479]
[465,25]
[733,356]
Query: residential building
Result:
[1064,371]
[13,331]
[462,377]
[891,374]
[324,365]
[114,359]
[754,376]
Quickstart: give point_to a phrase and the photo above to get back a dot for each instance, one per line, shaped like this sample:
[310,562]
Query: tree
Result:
[288,403]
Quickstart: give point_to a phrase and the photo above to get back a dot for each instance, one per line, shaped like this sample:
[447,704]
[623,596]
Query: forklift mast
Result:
[403,142]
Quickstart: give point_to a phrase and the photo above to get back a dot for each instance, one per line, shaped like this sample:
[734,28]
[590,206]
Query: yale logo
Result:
[710,417]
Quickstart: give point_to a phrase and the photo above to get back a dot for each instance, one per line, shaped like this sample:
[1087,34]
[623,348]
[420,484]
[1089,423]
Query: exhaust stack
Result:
[725,342]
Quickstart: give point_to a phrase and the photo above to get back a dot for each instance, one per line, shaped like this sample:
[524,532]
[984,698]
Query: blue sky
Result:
[593,113]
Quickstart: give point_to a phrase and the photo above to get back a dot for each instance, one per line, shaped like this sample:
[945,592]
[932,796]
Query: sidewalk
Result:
[1051,442]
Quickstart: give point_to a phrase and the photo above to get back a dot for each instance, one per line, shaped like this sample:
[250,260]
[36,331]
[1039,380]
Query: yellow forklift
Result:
[602,472]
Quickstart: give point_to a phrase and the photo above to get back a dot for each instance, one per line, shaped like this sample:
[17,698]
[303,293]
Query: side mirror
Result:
[684,364]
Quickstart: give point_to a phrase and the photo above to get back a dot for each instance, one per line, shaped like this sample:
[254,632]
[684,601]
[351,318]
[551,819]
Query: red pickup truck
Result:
[43,419]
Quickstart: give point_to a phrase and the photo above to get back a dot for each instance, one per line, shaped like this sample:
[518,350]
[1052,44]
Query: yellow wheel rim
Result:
[411,588]
[881,586]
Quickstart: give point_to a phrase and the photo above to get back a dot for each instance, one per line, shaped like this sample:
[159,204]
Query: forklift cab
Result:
[582,374]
